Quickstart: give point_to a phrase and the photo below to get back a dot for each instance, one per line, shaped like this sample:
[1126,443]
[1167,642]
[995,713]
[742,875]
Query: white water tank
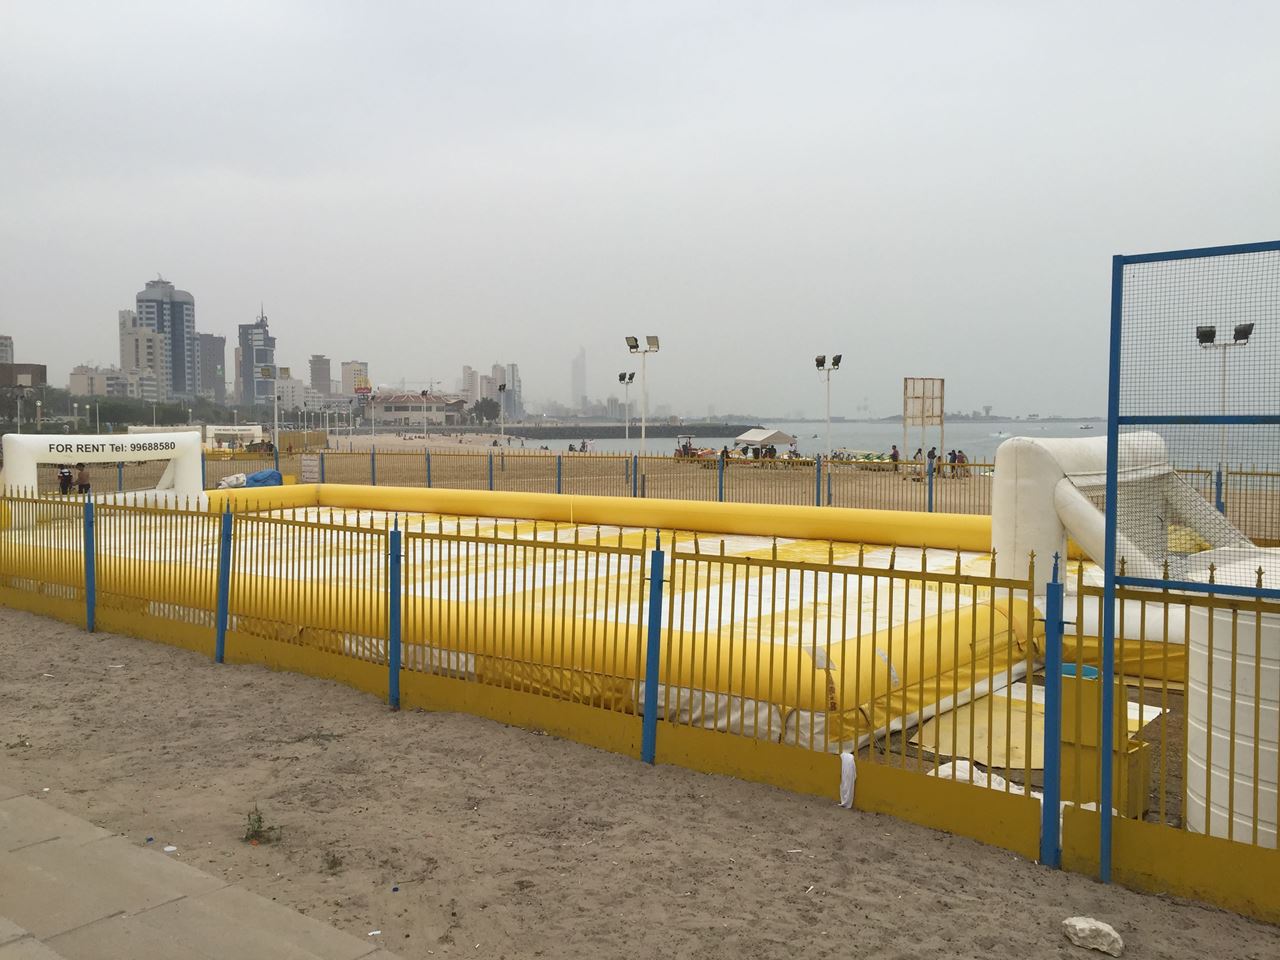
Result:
[1212,764]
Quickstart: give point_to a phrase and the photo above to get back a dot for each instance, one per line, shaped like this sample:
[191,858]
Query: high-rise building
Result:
[470,384]
[512,397]
[321,370]
[144,358]
[578,381]
[213,367]
[355,377]
[172,313]
[256,364]
[6,349]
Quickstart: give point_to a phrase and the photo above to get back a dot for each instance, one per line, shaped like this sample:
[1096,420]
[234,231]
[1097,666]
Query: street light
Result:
[502,412]
[626,379]
[1207,338]
[39,414]
[652,347]
[820,362]
[424,414]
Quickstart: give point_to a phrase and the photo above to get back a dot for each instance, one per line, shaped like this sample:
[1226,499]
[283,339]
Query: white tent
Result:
[761,437]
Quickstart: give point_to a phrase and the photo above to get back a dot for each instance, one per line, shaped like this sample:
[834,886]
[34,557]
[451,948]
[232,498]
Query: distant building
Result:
[213,367]
[256,364]
[23,375]
[144,358]
[413,410]
[172,313]
[578,381]
[470,384]
[321,371]
[6,349]
[513,397]
[296,394]
[355,378]
[87,381]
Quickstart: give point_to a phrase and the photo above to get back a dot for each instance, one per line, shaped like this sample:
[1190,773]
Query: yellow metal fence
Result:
[922,666]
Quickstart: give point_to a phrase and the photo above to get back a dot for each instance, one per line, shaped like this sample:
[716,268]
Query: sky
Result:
[931,189]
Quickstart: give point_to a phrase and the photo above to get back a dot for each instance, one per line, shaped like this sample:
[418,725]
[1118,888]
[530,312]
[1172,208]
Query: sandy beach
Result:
[456,836]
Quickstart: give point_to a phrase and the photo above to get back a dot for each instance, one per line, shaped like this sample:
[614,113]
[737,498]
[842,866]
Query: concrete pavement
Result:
[73,891]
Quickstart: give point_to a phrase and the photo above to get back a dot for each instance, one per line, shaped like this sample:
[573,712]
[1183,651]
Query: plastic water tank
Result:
[1212,764]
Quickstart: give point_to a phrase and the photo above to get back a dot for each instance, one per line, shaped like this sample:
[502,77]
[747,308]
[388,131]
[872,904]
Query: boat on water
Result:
[1086,426]
[1001,434]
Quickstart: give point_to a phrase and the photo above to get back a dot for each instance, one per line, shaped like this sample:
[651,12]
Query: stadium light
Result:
[1207,338]
[633,344]
[820,361]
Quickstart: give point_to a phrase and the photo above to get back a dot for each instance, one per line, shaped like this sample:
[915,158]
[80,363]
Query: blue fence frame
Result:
[1111,580]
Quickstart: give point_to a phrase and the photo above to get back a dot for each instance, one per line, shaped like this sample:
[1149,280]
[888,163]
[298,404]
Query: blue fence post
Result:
[828,485]
[322,468]
[224,587]
[1050,812]
[653,651]
[393,618]
[635,471]
[119,476]
[428,468]
[491,471]
[817,480]
[275,455]
[1218,500]
[559,473]
[720,478]
[928,472]
[90,573]
[373,466]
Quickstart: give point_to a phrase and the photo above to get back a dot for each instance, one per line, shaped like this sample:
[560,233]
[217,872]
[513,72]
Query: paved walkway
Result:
[73,891]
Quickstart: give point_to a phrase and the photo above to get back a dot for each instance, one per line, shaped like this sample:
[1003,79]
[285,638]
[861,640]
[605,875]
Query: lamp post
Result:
[1207,338]
[425,395]
[97,417]
[625,379]
[821,363]
[275,418]
[651,346]
[153,414]
[502,411]
[75,415]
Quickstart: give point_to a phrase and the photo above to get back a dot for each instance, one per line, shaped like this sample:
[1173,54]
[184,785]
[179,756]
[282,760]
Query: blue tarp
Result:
[264,478]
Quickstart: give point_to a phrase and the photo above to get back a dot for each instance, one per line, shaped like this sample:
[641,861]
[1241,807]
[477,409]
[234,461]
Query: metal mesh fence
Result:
[1198,463]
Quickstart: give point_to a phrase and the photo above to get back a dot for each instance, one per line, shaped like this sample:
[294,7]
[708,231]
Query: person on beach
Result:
[895,456]
[64,479]
[82,478]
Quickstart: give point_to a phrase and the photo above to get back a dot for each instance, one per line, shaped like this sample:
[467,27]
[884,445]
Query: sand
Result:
[505,843]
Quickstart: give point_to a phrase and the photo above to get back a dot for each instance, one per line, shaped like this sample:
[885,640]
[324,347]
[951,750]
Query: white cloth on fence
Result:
[848,777]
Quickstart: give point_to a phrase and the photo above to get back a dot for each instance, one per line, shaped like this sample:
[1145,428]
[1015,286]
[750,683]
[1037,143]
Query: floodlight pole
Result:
[275,435]
[828,415]
[644,403]
[633,344]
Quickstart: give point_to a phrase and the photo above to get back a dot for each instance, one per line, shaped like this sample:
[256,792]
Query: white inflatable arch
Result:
[24,453]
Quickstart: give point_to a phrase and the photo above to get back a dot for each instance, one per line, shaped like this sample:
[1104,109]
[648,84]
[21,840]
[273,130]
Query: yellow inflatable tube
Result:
[901,527]
[899,670]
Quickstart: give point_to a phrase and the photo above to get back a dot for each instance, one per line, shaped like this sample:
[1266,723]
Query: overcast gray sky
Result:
[933,189]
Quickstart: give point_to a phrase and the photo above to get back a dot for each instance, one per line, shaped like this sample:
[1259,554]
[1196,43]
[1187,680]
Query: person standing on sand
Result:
[64,479]
[895,456]
[82,478]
